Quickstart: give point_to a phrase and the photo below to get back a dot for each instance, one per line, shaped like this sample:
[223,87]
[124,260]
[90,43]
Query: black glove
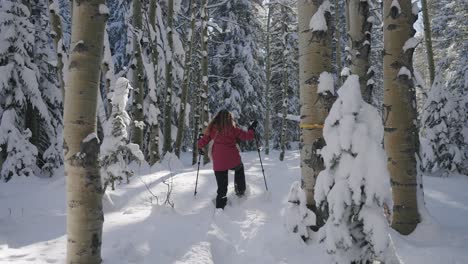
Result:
[253,125]
[201,152]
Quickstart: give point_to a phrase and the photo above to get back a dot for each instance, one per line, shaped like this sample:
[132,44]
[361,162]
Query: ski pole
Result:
[258,150]
[198,170]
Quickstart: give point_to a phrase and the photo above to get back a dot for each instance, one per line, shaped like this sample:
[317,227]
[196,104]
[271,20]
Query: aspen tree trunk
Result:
[204,68]
[428,40]
[185,83]
[167,145]
[267,89]
[81,148]
[401,135]
[314,58]
[196,121]
[56,34]
[339,65]
[138,77]
[359,29]
[154,124]
[284,98]
[105,79]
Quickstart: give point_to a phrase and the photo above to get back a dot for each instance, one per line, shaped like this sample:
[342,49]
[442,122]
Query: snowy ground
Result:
[136,230]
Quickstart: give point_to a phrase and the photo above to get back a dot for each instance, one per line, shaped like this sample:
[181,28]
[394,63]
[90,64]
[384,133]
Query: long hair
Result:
[221,121]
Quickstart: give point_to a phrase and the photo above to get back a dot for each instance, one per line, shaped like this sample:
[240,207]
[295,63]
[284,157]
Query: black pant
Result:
[222,181]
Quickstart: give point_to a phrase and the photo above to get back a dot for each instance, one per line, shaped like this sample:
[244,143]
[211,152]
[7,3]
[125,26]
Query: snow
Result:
[404,71]
[103,10]
[326,83]
[136,230]
[396,4]
[415,8]
[318,21]
[90,137]
[411,43]
[345,72]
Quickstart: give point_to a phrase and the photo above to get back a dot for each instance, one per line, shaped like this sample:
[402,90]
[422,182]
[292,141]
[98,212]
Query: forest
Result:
[360,154]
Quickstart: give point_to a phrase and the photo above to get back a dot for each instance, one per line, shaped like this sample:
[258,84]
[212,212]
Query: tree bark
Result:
[284,96]
[204,68]
[359,29]
[56,34]
[138,78]
[153,148]
[314,58]
[185,83]
[154,124]
[84,192]
[339,65]
[167,145]
[428,40]
[267,88]
[401,137]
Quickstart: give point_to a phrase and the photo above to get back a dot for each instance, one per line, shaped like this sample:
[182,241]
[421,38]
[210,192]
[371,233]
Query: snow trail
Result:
[251,230]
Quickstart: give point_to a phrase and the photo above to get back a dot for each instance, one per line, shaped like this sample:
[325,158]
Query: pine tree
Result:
[355,185]
[284,75]
[442,153]
[49,135]
[116,153]
[84,191]
[19,91]
[237,66]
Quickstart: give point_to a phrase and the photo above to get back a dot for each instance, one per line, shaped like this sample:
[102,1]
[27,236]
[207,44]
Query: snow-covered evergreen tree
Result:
[355,185]
[298,218]
[236,68]
[49,135]
[19,90]
[116,152]
[442,151]
[449,36]
[284,73]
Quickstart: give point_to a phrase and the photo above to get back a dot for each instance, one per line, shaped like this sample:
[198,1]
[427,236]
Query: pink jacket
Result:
[225,153]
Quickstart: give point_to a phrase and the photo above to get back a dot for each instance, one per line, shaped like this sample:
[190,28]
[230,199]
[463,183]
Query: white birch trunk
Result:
[185,83]
[314,58]
[359,32]
[84,191]
[138,77]
[167,145]
[400,117]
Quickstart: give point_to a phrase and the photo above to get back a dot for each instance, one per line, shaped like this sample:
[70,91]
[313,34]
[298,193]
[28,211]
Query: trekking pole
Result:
[198,170]
[258,150]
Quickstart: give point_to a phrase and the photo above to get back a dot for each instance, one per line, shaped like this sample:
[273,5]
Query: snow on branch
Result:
[116,151]
[326,83]
[411,43]
[318,21]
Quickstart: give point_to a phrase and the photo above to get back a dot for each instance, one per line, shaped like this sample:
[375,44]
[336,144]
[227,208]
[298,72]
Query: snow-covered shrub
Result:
[355,185]
[298,218]
[441,134]
[116,152]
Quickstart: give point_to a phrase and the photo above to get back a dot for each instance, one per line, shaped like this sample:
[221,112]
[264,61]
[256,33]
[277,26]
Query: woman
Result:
[224,133]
